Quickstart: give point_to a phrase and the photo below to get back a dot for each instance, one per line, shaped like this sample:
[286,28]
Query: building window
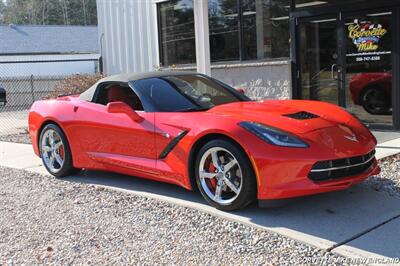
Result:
[224,30]
[177,38]
[239,30]
[265,28]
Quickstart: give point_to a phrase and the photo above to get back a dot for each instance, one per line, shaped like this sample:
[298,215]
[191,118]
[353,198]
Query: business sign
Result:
[367,39]
[366,36]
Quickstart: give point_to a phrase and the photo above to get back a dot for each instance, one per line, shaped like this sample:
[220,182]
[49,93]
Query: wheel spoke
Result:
[231,186]
[218,192]
[215,159]
[51,161]
[230,165]
[204,174]
[59,160]
[51,139]
[46,149]
[58,144]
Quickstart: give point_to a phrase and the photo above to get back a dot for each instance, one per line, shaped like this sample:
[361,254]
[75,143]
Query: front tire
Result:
[55,152]
[224,176]
[375,101]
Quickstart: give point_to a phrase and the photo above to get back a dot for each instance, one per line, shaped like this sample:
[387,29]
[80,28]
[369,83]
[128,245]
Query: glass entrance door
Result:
[346,59]
[318,56]
[368,71]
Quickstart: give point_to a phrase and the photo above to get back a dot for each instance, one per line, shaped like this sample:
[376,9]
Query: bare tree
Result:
[45,15]
[84,7]
[53,12]
[64,7]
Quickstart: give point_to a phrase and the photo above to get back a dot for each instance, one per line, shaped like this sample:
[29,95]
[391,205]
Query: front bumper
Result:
[305,186]
[284,173]
[301,189]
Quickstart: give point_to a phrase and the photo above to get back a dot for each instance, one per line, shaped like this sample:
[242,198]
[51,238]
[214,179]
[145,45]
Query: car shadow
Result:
[328,218]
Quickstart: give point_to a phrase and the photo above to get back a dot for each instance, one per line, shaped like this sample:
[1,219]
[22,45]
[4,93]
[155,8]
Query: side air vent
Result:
[302,115]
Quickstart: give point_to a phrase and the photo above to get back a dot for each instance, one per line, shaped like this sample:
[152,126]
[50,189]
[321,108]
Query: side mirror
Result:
[241,91]
[3,97]
[123,108]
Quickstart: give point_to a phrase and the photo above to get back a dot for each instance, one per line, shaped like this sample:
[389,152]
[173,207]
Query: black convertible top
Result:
[125,78]
[145,75]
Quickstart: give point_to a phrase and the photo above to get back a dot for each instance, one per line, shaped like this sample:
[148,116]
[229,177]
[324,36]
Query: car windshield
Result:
[185,93]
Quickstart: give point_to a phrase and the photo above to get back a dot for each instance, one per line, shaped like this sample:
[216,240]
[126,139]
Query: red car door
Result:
[115,141]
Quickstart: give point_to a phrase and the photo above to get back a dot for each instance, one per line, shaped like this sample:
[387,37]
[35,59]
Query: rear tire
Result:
[224,176]
[55,152]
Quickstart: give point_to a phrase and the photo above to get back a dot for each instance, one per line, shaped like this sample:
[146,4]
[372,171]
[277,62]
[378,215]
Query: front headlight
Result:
[273,136]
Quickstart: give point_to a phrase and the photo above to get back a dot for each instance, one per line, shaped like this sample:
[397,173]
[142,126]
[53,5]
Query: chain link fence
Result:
[21,92]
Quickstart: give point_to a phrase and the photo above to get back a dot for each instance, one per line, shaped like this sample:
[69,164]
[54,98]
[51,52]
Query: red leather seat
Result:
[117,94]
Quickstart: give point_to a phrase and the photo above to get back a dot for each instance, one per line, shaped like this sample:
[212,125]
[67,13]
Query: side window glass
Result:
[117,93]
[165,97]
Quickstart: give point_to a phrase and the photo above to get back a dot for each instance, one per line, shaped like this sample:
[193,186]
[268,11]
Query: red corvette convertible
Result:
[197,132]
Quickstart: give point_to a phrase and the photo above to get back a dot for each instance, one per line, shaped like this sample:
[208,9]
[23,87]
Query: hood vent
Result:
[302,115]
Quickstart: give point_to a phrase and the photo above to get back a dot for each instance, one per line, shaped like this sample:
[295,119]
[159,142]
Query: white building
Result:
[142,35]
[303,49]
[36,50]
[35,58]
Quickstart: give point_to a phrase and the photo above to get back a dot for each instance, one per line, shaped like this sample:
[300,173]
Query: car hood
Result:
[296,116]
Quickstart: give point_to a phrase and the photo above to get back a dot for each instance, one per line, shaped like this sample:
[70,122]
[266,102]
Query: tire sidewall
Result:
[67,168]
[364,104]
[248,192]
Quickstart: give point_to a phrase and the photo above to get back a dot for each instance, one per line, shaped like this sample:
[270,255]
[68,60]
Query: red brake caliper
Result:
[213,181]
[61,152]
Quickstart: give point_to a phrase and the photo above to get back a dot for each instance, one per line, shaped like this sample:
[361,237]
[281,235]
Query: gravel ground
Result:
[21,136]
[389,178]
[48,221]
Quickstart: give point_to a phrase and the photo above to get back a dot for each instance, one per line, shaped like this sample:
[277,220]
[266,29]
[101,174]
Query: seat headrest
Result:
[117,94]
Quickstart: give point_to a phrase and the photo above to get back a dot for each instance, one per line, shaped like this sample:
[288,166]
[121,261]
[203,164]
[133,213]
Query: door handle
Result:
[335,68]
[333,71]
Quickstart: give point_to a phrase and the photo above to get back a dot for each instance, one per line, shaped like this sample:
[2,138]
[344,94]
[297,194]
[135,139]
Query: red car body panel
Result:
[114,142]
[359,82]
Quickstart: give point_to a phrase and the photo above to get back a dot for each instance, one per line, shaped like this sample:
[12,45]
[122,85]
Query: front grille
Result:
[334,169]
[302,116]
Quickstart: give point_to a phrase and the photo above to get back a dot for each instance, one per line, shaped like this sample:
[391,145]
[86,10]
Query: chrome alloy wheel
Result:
[220,175]
[52,149]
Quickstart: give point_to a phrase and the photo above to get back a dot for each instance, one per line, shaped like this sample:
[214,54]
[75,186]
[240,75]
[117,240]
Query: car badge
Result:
[352,138]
